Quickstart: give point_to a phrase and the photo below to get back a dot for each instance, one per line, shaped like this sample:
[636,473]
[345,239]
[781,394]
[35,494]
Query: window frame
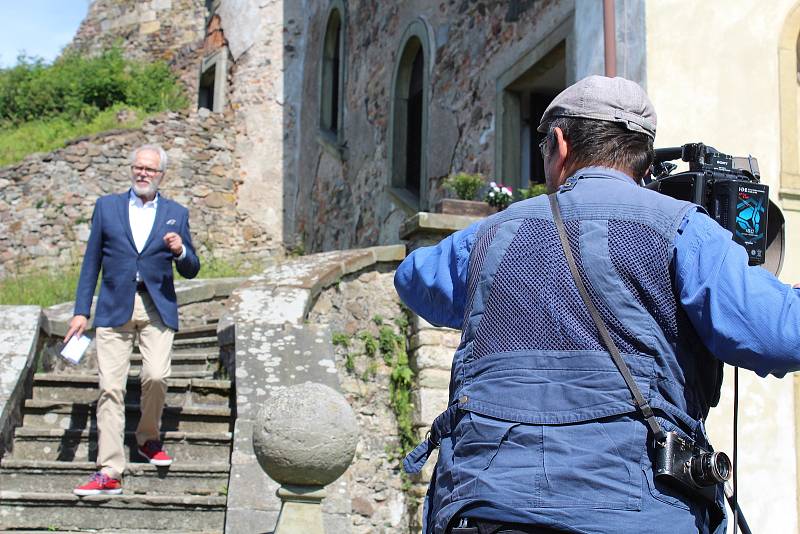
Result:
[416,38]
[333,139]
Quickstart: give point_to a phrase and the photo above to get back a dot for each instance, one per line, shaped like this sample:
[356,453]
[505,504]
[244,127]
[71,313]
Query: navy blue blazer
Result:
[111,247]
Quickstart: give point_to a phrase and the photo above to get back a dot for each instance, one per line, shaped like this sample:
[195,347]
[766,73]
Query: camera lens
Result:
[711,468]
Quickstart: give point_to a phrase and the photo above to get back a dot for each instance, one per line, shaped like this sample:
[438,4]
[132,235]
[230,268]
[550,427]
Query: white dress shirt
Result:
[141,217]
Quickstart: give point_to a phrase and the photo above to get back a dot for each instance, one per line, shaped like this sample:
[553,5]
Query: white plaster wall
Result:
[712,73]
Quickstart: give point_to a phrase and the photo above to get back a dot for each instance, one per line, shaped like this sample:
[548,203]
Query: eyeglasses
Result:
[543,147]
[149,171]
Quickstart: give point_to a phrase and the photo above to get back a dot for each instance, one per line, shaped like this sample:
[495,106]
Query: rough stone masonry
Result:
[46,201]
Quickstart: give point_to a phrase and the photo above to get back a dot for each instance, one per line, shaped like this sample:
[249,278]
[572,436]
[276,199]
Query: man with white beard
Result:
[135,238]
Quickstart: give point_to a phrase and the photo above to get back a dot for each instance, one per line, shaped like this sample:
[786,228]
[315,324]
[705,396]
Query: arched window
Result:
[409,120]
[332,79]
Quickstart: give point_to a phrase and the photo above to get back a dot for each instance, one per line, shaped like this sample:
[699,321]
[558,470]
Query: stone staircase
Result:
[55,447]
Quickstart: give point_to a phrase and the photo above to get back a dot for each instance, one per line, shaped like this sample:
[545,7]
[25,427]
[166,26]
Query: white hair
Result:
[162,155]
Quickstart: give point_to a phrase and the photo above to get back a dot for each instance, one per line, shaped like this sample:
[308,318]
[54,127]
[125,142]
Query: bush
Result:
[78,88]
[464,185]
[533,191]
[42,106]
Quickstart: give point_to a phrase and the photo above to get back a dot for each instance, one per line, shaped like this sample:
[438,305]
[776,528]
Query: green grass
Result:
[40,288]
[220,268]
[47,135]
[49,288]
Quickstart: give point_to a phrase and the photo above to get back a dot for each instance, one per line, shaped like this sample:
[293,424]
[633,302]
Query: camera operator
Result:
[541,434]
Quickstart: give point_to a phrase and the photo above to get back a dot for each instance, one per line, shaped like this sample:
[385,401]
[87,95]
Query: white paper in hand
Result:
[75,347]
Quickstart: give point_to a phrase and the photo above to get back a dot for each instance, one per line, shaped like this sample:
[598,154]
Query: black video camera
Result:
[729,189]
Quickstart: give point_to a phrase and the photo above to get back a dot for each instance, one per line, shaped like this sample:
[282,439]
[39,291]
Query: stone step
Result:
[55,414]
[180,342]
[194,360]
[54,511]
[61,477]
[207,344]
[83,388]
[81,446]
[208,374]
[199,330]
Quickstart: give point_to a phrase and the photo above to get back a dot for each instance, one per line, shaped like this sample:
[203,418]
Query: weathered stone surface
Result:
[170,30]
[50,222]
[43,510]
[19,334]
[429,402]
[435,336]
[425,229]
[306,435]
[433,378]
[432,357]
[374,476]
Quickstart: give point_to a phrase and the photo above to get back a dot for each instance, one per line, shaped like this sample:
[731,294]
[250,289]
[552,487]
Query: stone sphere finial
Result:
[305,435]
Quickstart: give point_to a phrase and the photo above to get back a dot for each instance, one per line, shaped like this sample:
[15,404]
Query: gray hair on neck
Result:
[162,155]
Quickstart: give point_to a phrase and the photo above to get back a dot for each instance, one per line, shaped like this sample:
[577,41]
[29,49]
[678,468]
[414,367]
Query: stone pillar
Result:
[304,438]
[431,356]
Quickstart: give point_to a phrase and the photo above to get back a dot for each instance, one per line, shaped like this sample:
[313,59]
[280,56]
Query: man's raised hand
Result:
[174,243]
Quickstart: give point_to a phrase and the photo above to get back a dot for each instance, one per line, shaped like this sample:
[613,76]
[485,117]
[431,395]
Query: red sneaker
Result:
[153,452]
[99,483]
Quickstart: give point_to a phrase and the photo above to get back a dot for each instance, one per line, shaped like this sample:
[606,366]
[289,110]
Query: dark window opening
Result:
[525,100]
[335,89]
[206,97]
[414,125]
[331,73]
[538,103]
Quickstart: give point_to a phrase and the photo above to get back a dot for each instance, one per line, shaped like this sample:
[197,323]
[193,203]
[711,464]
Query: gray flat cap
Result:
[605,99]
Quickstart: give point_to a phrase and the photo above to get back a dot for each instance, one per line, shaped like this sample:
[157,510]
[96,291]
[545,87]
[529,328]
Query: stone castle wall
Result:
[344,198]
[261,39]
[169,30]
[374,484]
[46,201]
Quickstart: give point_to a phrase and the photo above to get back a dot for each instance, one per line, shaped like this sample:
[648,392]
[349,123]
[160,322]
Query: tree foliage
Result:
[77,88]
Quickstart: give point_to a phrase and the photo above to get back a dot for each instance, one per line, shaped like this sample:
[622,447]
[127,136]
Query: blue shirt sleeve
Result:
[744,315]
[432,281]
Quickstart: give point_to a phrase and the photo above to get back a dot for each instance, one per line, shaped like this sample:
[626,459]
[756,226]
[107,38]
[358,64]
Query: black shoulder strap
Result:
[641,403]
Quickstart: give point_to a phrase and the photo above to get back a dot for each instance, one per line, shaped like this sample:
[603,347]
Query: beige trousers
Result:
[114,350]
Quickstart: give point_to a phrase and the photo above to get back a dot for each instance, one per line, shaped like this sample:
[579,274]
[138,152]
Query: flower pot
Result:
[473,208]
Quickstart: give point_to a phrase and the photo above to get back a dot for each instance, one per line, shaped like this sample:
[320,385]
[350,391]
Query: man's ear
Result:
[560,154]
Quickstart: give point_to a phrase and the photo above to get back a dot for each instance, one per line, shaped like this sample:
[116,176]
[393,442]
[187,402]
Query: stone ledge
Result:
[286,292]
[19,339]
[55,319]
[444,223]
[274,348]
